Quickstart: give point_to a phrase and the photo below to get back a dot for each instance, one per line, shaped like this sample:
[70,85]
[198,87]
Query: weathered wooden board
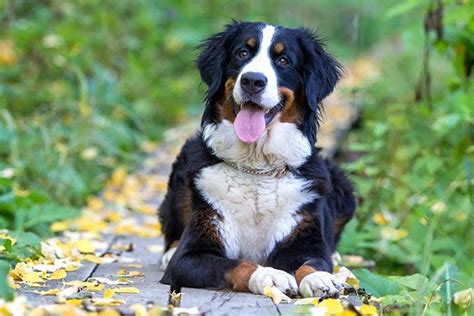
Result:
[151,290]
[227,303]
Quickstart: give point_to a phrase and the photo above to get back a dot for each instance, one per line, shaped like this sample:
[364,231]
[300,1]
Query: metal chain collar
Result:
[277,173]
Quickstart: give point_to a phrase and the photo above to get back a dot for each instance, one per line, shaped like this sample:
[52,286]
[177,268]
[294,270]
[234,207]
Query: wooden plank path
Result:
[144,253]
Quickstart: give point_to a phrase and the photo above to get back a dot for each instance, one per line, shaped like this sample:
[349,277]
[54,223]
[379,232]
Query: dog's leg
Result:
[307,254]
[341,201]
[175,209]
[200,261]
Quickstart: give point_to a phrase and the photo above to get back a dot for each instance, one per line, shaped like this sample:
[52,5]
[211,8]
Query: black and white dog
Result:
[250,203]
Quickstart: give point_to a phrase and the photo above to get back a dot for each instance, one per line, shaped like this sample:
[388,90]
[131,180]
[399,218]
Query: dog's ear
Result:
[212,62]
[321,74]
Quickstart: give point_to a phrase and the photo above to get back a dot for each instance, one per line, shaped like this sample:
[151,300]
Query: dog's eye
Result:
[283,61]
[243,53]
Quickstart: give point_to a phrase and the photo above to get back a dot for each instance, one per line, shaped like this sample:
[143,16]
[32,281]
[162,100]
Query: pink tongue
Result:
[249,124]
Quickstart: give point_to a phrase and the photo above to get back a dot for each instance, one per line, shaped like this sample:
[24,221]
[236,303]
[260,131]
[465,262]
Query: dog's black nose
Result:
[253,82]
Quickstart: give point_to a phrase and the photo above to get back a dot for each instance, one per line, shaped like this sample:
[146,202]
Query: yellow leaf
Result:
[126,290]
[109,293]
[175,298]
[347,313]
[91,286]
[34,284]
[59,226]
[333,306]
[92,258]
[394,234]
[275,294]
[118,177]
[75,302]
[463,298]
[107,302]
[132,265]
[85,246]
[307,301]
[32,277]
[49,292]
[95,204]
[368,310]
[58,275]
[124,274]
[380,219]
[72,266]
[7,53]
[11,283]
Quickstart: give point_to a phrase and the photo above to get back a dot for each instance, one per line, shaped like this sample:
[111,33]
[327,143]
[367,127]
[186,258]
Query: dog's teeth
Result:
[267,111]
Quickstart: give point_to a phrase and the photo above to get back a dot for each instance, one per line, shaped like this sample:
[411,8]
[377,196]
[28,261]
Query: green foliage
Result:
[5,291]
[375,284]
[415,170]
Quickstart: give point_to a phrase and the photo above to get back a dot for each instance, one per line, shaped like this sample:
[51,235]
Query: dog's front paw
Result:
[320,284]
[266,276]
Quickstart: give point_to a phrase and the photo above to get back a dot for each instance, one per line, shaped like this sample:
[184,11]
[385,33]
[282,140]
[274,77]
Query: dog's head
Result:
[259,73]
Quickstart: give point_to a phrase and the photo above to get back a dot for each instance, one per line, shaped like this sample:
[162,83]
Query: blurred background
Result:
[86,86]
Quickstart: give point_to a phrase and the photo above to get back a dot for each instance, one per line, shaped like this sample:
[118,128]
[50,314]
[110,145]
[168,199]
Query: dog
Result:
[250,202]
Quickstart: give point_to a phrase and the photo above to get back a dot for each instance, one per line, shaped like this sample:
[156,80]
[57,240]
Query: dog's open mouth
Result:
[251,120]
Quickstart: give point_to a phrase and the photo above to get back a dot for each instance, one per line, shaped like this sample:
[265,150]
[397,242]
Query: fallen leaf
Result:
[109,293]
[68,292]
[32,277]
[132,265]
[307,301]
[93,259]
[85,246]
[275,294]
[126,290]
[333,306]
[368,310]
[107,302]
[49,292]
[58,275]
[59,226]
[155,248]
[129,274]
[175,299]
[345,275]
[463,298]
[110,282]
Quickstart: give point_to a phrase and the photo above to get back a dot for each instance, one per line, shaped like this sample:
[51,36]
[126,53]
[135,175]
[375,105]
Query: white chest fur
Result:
[257,211]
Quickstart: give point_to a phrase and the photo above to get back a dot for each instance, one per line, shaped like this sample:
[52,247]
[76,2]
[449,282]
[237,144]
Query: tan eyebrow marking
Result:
[251,42]
[278,48]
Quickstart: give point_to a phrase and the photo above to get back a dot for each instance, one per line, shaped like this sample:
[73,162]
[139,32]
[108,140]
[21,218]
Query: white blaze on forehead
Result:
[262,63]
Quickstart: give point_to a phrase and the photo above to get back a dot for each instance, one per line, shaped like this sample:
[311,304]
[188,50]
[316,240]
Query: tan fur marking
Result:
[292,111]
[205,219]
[174,244]
[185,202]
[251,42]
[240,275]
[339,225]
[303,271]
[278,48]
[226,105]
